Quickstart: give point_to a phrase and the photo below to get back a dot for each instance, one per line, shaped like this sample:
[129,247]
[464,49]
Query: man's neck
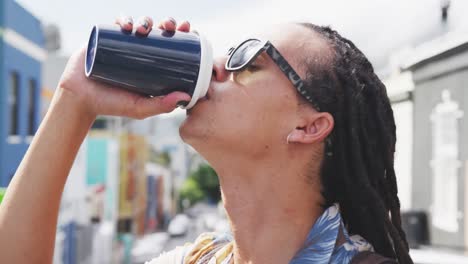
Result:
[271,206]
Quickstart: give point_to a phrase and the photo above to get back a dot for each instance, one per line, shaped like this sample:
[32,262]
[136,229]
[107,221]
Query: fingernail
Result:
[182,103]
[129,20]
[145,23]
[172,20]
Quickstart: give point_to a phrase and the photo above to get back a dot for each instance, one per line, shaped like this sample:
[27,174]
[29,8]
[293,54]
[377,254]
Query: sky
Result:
[378,27]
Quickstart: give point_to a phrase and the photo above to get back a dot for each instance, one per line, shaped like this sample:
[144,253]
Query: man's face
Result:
[253,110]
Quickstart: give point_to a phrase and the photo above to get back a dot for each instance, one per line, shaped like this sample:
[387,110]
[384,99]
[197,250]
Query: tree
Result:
[162,158]
[202,184]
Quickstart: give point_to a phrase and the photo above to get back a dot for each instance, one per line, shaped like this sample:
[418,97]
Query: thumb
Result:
[175,99]
[157,105]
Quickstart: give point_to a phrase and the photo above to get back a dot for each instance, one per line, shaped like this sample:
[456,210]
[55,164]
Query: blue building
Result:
[21,54]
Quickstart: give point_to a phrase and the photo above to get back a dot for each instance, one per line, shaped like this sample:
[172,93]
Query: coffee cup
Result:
[154,65]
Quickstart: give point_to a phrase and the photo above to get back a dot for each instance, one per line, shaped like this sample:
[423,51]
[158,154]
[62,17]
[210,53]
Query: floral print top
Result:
[319,247]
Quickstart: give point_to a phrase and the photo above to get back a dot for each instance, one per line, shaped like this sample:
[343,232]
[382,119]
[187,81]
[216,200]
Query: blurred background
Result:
[136,189]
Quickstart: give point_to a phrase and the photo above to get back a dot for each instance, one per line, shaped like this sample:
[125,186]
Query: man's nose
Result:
[220,74]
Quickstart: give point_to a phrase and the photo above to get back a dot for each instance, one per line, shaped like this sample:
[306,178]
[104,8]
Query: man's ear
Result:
[314,128]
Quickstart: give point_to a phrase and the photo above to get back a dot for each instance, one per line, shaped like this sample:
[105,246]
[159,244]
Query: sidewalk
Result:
[434,255]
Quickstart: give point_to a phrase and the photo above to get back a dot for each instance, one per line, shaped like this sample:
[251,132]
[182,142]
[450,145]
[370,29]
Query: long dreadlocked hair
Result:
[357,171]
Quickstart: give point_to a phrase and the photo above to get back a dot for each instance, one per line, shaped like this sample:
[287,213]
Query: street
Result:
[195,229]
[203,218]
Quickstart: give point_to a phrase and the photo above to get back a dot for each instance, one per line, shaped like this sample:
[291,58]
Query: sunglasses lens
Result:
[244,53]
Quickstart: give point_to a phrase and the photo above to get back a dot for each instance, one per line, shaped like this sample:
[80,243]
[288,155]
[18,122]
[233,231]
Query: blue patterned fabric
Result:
[319,248]
[320,243]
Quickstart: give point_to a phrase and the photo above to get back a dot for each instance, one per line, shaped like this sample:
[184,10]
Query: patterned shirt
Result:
[319,247]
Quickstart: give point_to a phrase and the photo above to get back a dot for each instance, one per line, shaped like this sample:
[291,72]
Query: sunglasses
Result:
[247,51]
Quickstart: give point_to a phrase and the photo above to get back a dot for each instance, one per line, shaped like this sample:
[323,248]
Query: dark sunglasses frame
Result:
[278,59]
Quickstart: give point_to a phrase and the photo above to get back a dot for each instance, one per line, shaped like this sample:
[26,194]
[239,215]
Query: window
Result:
[446,163]
[13,103]
[32,107]
[100,123]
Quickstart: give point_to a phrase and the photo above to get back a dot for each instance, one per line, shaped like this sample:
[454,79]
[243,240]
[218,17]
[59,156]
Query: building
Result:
[440,151]
[427,90]
[52,70]
[21,55]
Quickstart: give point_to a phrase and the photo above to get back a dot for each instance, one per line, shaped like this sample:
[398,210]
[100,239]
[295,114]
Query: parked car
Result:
[222,226]
[149,247]
[179,225]
[210,220]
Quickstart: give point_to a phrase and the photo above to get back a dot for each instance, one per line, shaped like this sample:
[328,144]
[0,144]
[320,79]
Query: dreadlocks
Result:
[357,171]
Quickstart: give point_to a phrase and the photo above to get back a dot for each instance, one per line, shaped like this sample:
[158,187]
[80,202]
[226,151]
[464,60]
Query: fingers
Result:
[168,24]
[145,24]
[184,26]
[145,107]
[119,102]
[125,23]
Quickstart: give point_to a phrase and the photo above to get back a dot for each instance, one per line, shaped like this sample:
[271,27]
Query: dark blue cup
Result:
[157,64]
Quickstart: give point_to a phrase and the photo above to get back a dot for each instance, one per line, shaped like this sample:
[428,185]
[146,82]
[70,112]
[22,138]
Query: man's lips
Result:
[207,96]
[202,99]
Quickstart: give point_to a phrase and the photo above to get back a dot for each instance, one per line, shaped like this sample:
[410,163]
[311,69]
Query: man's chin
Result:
[194,132]
[183,130]
[188,130]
